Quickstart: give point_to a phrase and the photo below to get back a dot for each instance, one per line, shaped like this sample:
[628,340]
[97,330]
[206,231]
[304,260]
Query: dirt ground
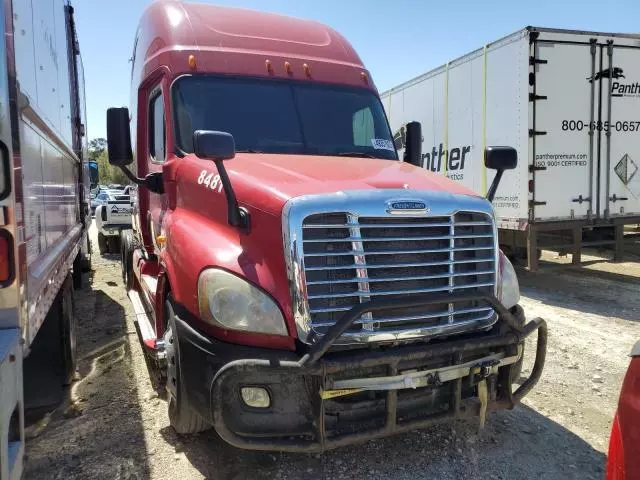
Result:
[114,426]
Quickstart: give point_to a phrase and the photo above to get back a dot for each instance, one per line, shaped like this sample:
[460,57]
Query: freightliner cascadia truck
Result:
[302,287]
[45,179]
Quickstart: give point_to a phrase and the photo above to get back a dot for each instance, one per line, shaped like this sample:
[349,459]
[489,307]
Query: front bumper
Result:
[314,405]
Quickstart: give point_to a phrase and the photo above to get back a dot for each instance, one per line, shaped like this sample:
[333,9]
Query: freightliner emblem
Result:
[406,206]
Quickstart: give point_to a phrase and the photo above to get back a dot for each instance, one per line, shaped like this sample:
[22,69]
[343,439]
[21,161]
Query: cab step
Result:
[155,346]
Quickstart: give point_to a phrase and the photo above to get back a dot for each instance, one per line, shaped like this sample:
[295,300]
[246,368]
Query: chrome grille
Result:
[350,259]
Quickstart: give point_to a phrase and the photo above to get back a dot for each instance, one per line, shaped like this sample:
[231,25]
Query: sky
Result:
[396,39]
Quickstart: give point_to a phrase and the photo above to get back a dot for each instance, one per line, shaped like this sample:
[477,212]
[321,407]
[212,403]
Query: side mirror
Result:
[413,144]
[119,137]
[220,146]
[214,146]
[500,159]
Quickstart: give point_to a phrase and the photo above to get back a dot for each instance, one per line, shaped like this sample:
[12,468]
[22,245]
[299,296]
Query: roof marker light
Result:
[267,63]
[192,62]
[307,69]
[287,68]
[365,77]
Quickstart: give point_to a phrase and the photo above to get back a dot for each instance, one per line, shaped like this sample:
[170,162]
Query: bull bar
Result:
[507,333]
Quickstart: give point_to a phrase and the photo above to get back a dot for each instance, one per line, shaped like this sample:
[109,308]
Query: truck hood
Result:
[267,182]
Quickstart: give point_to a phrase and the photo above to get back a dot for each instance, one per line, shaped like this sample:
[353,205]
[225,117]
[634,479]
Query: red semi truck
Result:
[301,286]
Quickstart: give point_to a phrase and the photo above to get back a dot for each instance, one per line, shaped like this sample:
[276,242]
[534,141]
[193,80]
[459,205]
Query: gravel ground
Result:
[114,426]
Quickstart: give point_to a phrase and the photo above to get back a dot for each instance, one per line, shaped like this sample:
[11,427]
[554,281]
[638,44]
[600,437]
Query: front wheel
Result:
[182,417]
[126,257]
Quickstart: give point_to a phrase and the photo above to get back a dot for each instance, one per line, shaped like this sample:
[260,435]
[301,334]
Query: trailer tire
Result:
[102,244]
[126,257]
[67,331]
[77,271]
[85,265]
[182,417]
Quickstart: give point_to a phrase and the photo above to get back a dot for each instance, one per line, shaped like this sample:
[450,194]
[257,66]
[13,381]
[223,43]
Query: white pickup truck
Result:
[111,217]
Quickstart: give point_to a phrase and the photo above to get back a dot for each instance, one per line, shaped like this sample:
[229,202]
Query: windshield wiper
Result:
[355,154]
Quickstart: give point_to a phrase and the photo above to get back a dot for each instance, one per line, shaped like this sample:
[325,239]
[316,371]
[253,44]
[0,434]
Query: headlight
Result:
[508,288]
[230,302]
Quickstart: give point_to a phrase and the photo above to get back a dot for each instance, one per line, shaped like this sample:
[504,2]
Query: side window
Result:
[363,129]
[156,129]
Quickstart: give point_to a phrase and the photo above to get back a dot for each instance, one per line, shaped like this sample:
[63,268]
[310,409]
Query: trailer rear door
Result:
[563,107]
[620,143]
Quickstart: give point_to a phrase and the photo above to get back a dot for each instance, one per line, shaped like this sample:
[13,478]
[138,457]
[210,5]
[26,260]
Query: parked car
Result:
[624,445]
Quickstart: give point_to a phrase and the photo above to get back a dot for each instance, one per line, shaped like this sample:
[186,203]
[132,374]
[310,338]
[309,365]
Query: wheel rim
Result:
[172,362]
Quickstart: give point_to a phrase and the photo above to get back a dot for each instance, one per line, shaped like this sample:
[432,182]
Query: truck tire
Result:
[77,271]
[68,330]
[102,244]
[51,364]
[126,257]
[86,259]
[516,368]
[182,417]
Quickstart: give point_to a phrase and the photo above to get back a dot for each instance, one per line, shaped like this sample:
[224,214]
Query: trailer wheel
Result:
[126,257]
[102,244]
[77,271]
[182,417]
[68,330]
[86,259]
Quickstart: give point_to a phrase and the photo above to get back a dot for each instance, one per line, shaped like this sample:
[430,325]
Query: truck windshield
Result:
[266,116]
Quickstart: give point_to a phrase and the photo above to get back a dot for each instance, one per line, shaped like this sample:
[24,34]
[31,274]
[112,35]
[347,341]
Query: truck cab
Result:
[301,287]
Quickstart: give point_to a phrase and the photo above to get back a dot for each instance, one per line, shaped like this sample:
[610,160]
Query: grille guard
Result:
[334,332]
[314,363]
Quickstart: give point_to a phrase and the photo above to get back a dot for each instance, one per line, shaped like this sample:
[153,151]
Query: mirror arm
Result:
[237,217]
[152,181]
[494,185]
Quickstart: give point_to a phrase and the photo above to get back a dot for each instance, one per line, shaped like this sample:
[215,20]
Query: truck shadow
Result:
[97,432]
[605,293]
[543,448]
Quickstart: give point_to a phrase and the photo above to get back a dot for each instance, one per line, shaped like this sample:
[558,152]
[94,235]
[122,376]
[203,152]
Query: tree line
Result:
[108,173]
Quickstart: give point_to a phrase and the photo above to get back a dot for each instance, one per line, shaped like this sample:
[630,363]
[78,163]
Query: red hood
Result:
[267,182]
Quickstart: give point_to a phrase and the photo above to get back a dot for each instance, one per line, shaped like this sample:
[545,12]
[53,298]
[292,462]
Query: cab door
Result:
[157,142]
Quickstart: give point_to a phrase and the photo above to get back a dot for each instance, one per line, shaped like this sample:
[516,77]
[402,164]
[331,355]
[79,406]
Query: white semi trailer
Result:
[44,211]
[569,102]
